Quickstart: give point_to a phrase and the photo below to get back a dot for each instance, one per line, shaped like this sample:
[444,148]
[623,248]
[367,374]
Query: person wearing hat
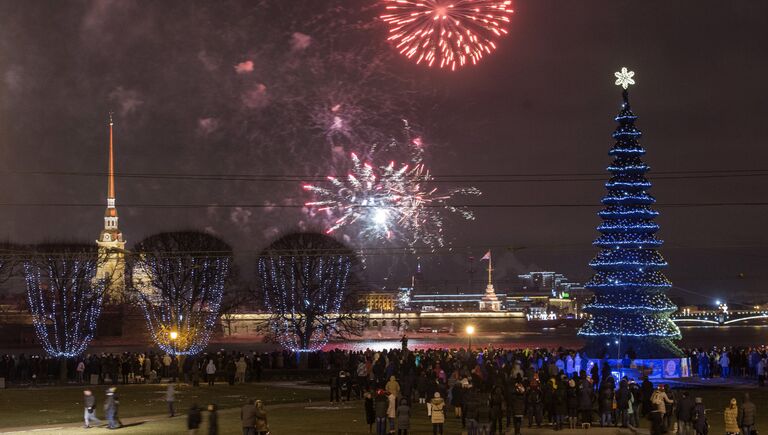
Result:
[438,414]
[90,409]
[393,387]
[730,418]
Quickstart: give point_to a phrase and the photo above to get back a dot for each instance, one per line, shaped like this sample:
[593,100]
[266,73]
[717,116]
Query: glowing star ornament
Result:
[624,78]
[447,33]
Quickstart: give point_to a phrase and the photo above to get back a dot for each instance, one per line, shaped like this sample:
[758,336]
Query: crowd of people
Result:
[239,367]
[491,390]
[487,390]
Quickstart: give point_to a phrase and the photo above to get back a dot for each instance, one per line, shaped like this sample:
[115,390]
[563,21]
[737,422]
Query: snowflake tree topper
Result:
[624,77]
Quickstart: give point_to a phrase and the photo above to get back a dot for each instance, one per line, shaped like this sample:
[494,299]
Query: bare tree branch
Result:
[304,280]
[65,296]
[179,280]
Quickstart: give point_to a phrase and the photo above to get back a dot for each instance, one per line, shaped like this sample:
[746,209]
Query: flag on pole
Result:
[487,256]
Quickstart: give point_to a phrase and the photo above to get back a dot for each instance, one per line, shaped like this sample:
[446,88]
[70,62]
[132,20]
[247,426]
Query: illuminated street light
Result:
[470,331]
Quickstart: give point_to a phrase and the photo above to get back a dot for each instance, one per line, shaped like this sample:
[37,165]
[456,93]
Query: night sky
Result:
[245,88]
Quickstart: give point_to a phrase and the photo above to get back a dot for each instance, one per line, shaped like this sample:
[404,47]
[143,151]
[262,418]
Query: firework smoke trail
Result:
[447,32]
[388,202]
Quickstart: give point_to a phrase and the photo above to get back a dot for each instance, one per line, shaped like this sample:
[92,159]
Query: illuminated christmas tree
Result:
[630,310]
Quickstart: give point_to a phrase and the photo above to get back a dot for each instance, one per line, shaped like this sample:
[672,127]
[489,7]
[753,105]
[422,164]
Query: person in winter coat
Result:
[671,408]
[213,419]
[731,418]
[659,401]
[248,418]
[572,403]
[170,397]
[747,414]
[457,398]
[471,402]
[646,392]
[210,372]
[548,399]
[194,418]
[380,406]
[240,367]
[403,417]
[421,387]
[391,411]
[111,406]
[89,401]
[517,407]
[437,411]
[685,414]
[561,405]
[483,416]
[606,396]
[370,412]
[497,410]
[700,417]
[534,405]
[622,403]
[261,425]
[586,398]
[393,387]
[634,411]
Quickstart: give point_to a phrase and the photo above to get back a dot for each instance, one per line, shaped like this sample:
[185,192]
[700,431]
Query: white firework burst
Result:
[392,202]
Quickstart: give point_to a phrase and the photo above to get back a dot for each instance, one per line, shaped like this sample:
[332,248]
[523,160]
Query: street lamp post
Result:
[470,331]
[173,335]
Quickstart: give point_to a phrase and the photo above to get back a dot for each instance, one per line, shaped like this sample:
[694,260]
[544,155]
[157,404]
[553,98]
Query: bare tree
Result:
[179,280]
[65,297]
[304,281]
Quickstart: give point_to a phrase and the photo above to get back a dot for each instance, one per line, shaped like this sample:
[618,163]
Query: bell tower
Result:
[111,244]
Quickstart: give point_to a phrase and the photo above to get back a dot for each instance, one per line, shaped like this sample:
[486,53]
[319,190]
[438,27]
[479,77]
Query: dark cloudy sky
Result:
[243,87]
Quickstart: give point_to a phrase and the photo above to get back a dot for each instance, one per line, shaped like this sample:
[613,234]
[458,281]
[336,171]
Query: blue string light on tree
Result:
[180,279]
[64,297]
[629,304]
[303,278]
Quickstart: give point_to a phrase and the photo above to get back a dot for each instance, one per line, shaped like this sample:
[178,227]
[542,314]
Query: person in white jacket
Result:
[210,371]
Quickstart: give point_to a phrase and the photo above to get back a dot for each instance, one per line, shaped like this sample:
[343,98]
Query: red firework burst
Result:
[448,33]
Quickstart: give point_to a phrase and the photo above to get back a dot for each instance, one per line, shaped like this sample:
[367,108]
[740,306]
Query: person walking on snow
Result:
[89,416]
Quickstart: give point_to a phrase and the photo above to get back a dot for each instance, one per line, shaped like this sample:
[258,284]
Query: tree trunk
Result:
[302,358]
[63,371]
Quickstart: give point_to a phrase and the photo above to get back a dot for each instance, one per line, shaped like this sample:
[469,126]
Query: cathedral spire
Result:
[111,182]
[110,215]
[111,244]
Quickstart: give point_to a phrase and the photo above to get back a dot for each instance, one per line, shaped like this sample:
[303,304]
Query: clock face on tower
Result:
[107,238]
